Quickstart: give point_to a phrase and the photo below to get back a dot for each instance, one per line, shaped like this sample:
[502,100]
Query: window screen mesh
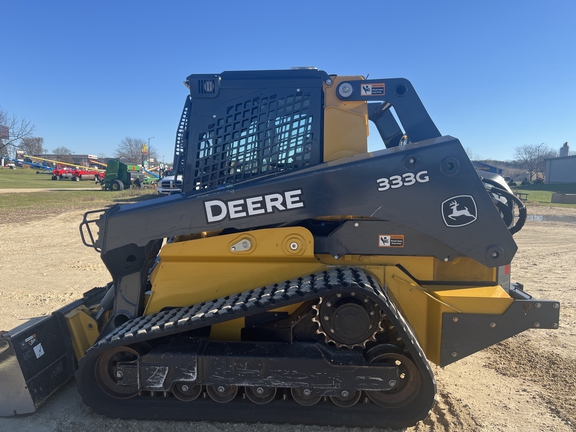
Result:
[257,136]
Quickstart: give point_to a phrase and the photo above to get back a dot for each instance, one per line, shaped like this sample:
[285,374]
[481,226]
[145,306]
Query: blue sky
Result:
[494,74]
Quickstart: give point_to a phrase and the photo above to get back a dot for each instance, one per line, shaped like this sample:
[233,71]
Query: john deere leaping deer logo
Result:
[459,211]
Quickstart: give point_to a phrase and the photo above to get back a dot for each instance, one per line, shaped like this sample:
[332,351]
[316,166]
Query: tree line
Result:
[14,130]
[529,158]
[532,157]
[17,134]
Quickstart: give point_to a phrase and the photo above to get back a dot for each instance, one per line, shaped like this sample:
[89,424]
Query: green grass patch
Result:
[560,188]
[49,201]
[541,194]
[68,200]
[27,178]
[85,195]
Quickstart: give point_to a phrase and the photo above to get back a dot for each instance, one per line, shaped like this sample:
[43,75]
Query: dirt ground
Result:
[526,383]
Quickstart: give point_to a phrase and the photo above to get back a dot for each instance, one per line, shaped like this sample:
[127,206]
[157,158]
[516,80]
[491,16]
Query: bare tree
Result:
[533,157]
[12,130]
[60,151]
[130,151]
[32,145]
[472,155]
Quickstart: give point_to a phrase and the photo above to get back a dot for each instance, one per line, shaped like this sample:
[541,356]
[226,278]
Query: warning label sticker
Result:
[393,240]
[373,89]
[39,350]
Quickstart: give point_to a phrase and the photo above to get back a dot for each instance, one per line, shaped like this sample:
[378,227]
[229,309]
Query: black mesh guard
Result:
[181,138]
[240,131]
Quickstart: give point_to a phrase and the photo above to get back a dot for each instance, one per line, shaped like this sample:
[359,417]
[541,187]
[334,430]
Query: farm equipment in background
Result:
[151,178]
[298,278]
[42,167]
[119,176]
[95,163]
[21,162]
[151,172]
[60,173]
[79,174]
[76,174]
[64,170]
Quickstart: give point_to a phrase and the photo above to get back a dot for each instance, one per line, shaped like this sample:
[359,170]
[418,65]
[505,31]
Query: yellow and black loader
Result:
[298,278]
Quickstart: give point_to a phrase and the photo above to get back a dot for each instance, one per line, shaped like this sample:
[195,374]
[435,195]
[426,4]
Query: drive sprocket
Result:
[348,319]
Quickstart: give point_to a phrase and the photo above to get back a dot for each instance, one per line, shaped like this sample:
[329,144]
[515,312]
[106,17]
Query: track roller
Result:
[221,393]
[304,397]
[347,399]
[260,395]
[186,392]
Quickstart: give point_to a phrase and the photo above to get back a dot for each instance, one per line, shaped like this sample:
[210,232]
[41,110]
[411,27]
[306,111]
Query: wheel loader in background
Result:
[298,278]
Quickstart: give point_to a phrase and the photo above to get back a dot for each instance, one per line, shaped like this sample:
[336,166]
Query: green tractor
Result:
[119,176]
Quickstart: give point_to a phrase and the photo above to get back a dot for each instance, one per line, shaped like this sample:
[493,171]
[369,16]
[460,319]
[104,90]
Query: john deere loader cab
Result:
[299,278]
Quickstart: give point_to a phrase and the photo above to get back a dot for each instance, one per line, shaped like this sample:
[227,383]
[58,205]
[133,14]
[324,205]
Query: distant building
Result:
[564,150]
[561,169]
[485,167]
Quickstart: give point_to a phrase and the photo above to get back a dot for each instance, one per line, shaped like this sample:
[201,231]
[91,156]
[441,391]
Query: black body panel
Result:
[345,187]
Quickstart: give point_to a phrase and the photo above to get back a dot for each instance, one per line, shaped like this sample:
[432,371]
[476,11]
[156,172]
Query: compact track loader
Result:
[298,278]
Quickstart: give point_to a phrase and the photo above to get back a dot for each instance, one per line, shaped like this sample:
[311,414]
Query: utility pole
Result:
[538,160]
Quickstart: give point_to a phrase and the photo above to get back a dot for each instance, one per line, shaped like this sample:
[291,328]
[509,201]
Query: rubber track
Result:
[170,322]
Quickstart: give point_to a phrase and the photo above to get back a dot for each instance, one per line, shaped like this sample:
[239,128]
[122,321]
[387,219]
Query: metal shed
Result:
[561,170]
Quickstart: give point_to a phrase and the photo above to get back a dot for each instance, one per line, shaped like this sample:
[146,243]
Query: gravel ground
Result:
[523,384]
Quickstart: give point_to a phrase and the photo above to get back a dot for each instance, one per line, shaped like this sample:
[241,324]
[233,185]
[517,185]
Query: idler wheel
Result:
[109,378]
[408,383]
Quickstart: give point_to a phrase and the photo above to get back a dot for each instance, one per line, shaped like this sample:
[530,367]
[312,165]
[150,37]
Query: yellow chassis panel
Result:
[202,269]
[423,306]
[195,271]
[345,123]
[83,329]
